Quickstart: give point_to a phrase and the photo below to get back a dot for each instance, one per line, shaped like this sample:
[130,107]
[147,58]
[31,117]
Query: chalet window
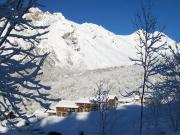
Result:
[72,110]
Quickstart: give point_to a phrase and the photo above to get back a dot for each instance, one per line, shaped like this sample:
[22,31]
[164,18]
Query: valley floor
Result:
[122,121]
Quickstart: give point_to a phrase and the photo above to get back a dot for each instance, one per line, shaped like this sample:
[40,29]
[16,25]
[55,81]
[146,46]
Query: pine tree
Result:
[20,65]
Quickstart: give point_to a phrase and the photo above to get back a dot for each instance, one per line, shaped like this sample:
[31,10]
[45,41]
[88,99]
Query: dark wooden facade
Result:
[64,111]
[112,103]
[86,107]
[51,113]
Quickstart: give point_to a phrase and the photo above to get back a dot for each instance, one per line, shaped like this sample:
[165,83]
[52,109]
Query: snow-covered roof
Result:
[66,104]
[126,99]
[137,97]
[84,100]
[51,111]
[92,99]
[146,95]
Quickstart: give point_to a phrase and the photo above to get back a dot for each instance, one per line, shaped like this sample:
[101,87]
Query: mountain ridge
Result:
[84,46]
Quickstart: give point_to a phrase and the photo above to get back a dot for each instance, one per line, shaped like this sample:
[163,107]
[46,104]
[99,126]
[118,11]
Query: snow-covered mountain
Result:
[82,55]
[84,46]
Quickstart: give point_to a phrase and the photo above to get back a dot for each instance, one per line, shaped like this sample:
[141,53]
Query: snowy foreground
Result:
[123,121]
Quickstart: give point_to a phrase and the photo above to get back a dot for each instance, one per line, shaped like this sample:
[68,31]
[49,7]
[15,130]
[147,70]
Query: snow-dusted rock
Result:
[84,46]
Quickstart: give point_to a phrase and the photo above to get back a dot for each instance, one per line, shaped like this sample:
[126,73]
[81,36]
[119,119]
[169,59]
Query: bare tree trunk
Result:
[142,105]
[147,51]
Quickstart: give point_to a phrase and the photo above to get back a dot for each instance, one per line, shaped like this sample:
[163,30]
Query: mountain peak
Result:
[82,46]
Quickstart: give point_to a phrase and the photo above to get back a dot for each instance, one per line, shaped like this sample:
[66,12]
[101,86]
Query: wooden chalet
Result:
[147,98]
[65,107]
[137,98]
[112,102]
[51,112]
[86,105]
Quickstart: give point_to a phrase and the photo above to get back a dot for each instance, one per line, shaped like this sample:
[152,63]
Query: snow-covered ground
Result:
[99,55]
[123,121]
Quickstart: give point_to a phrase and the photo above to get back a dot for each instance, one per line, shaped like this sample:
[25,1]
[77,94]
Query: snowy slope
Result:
[122,121]
[82,46]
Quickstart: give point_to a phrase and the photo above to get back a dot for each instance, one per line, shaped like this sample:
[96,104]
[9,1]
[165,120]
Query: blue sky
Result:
[117,15]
